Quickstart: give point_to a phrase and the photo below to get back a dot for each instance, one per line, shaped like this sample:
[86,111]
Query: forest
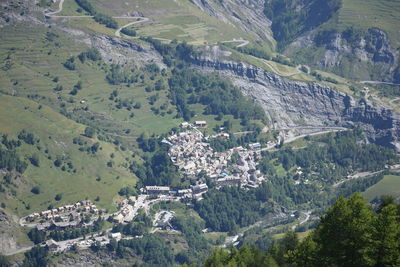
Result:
[351,233]
[187,87]
[333,157]
[292,18]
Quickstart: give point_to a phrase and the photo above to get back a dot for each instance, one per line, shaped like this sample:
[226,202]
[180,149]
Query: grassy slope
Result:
[33,63]
[178,19]
[389,185]
[45,123]
[383,14]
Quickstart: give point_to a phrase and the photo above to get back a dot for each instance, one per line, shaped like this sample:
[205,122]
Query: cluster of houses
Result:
[193,155]
[195,191]
[126,211]
[68,216]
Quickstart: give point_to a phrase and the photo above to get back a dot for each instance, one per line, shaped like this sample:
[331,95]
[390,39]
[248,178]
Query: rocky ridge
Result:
[369,56]
[291,103]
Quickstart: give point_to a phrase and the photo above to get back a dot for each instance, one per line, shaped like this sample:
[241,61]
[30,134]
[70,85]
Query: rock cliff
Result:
[365,55]
[291,103]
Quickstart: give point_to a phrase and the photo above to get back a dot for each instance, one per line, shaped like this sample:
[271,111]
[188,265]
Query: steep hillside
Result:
[93,99]
[359,41]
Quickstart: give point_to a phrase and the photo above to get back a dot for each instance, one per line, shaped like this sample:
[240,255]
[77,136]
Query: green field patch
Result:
[389,185]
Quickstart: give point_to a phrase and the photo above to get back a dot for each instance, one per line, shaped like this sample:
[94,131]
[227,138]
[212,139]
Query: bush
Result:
[129,32]
[34,159]
[90,132]
[35,190]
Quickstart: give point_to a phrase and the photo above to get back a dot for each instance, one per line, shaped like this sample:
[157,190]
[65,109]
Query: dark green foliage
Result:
[387,90]
[219,96]
[128,191]
[341,150]
[324,37]
[36,236]
[148,144]
[36,257]
[220,145]
[253,51]
[58,88]
[157,169]
[100,18]
[91,54]
[35,190]
[58,197]
[34,159]
[227,209]
[191,228]
[280,59]
[90,132]
[59,235]
[245,256]
[359,185]
[106,20]
[27,137]
[396,75]
[94,148]
[84,4]
[70,63]
[345,234]
[151,249]
[129,32]
[304,69]
[292,18]
[189,87]
[10,161]
[10,144]
[138,227]
[4,262]
[117,75]
[350,234]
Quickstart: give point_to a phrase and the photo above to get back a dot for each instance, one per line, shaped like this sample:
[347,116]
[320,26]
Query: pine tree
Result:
[387,237]
[345,233]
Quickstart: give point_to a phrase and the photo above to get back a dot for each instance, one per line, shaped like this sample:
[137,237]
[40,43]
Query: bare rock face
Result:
[120,51]
[85,258]
[368,54]
[290,103]
[8,239]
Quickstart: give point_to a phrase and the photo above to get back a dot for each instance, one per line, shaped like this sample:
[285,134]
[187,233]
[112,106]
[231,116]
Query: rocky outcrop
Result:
[120,51]
[363,55]
[8,233]
[295,103]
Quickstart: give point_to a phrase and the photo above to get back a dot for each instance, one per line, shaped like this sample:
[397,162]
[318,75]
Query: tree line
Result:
[351,233]
[108,21]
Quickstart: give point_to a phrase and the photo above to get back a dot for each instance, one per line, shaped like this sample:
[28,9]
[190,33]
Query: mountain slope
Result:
[360,41]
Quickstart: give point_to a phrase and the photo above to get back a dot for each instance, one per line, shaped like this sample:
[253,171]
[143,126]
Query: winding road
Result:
[53,14]
[139,20]
[240,40]
[379,82]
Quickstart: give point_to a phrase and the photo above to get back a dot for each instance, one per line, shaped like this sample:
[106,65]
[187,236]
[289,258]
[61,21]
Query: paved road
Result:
[294,138]
[18,250]
[53,14]
[357,176]
[240,40]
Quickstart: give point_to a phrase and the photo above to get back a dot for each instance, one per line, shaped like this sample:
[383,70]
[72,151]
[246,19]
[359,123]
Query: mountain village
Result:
[192,154]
